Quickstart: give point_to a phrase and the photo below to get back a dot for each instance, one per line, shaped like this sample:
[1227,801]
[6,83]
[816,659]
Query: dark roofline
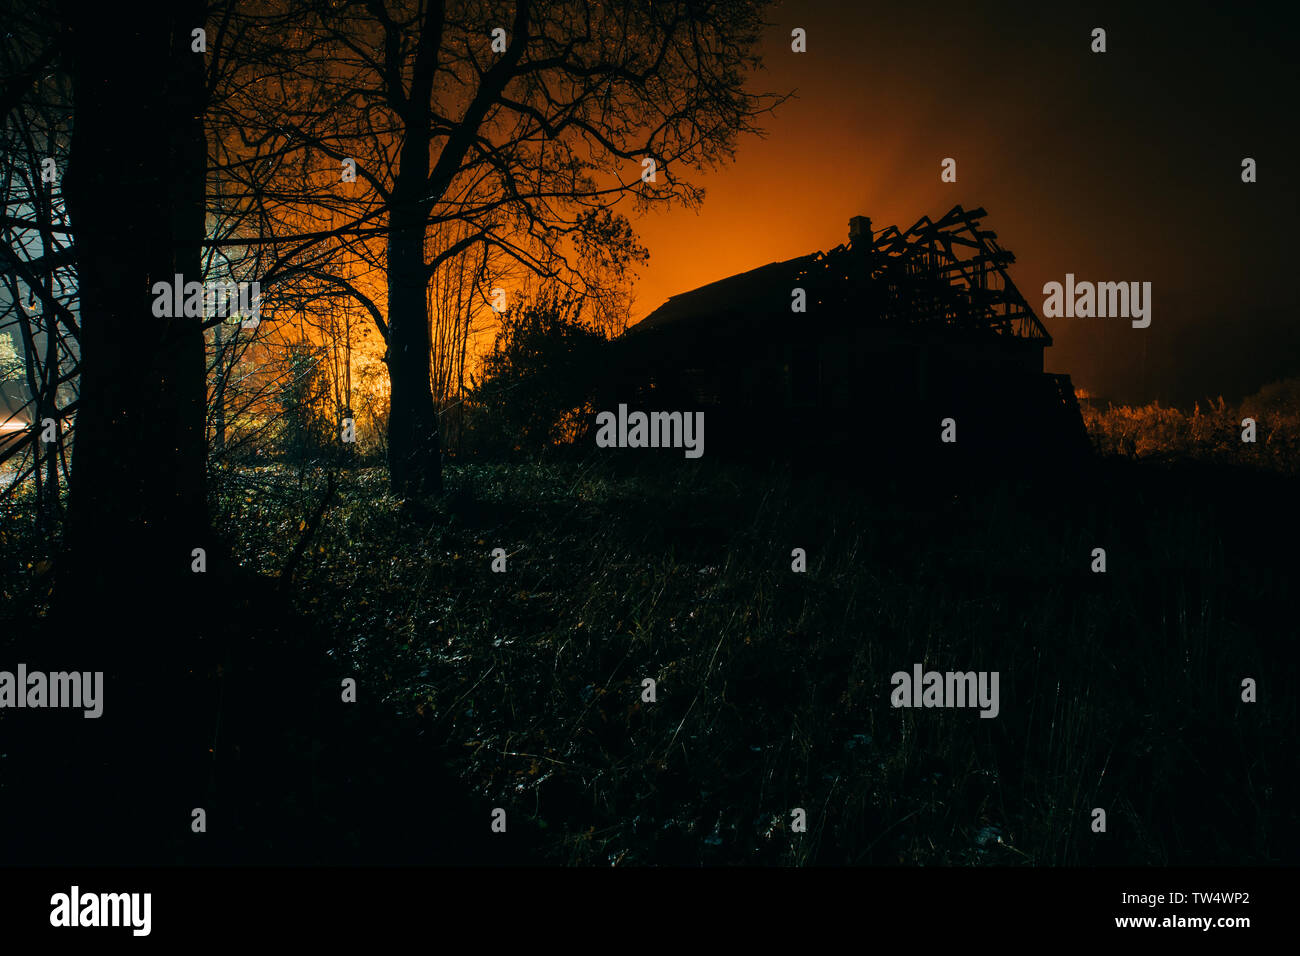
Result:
[955,233]
[670,309]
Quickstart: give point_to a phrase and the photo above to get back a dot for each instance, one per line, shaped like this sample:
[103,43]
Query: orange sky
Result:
[1123,166]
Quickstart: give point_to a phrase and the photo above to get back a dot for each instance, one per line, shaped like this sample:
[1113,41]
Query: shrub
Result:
[537,380]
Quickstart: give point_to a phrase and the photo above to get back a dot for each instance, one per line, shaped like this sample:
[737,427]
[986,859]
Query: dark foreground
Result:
[523,689]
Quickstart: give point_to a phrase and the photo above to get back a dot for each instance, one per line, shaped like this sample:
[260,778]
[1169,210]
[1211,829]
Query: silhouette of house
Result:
[899,330]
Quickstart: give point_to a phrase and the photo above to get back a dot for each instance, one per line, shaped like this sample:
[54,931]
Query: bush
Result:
[537,386]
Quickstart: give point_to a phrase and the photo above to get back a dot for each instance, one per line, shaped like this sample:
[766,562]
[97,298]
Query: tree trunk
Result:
[219,389]
[135,196]
[414,458]
[127,604]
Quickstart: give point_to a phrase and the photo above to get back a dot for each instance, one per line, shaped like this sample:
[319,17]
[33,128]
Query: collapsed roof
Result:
[947,275]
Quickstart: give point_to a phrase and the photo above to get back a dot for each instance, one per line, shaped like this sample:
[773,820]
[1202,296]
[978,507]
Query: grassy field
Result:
[1119,690]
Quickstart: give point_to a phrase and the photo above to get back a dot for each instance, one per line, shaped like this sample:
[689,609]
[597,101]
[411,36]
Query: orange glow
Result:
[1099,168]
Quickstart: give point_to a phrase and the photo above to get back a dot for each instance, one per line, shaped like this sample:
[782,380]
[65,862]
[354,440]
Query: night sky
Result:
[1122,166]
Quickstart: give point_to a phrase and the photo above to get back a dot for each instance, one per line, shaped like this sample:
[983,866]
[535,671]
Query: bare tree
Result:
[38,323]
[518,127]
[135,192]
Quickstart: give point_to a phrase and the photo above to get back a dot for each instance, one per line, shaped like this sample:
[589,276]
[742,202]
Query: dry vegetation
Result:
[1212,432]
[1120,691]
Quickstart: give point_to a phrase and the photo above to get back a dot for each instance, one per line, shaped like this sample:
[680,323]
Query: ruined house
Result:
[899,330]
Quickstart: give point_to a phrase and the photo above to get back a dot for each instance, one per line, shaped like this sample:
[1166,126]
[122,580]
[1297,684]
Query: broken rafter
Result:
[933,281]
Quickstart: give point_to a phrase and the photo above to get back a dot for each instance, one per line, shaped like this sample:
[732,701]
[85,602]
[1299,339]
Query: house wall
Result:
[775,388]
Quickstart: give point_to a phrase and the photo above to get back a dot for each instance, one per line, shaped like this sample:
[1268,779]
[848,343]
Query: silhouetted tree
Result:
[135,197]
[519,124]
[37,276]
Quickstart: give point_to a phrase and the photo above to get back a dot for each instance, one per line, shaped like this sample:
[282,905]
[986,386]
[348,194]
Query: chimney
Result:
[860,230]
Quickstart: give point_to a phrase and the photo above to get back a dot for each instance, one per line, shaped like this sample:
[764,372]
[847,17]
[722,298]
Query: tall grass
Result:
[1118,691]
[1209,432]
